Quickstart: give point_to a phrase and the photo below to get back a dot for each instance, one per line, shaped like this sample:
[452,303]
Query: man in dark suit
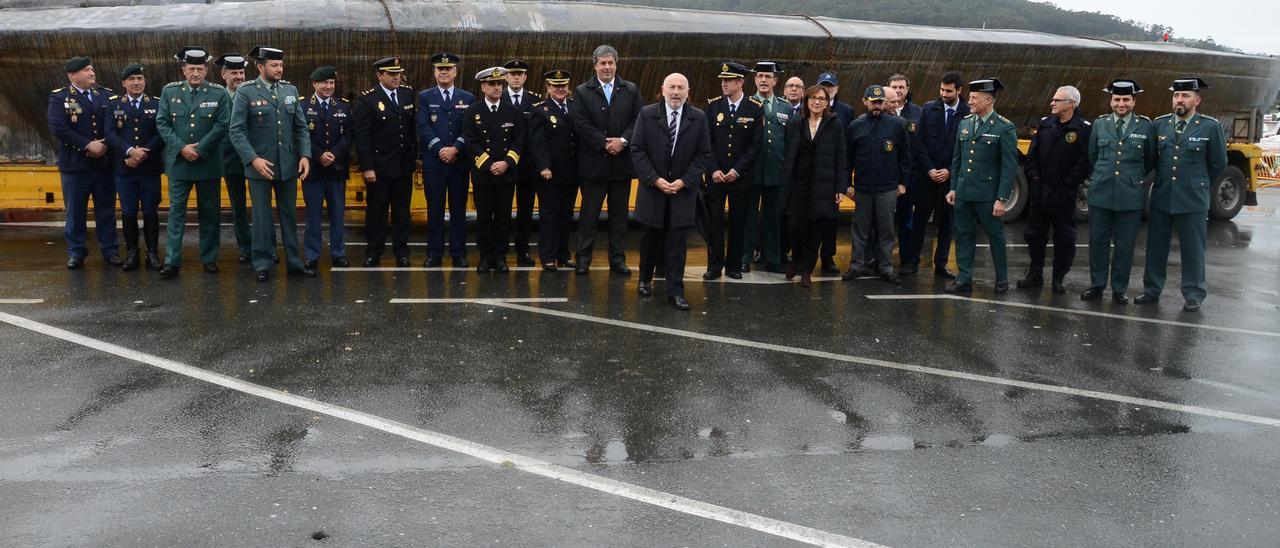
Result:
[604,116]
[494,137]
[934,138]
[734,120]
[553,148]
[672,150]
[137,159]
[527,187]
[386,146]
[444,165]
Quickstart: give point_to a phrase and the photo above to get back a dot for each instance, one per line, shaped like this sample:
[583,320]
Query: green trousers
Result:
[286,196]
[208,210]
[764,224]
[1112,237]
[1193,232]
[967,217]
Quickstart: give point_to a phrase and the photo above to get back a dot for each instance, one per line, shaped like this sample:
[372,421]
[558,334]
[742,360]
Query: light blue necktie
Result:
[608,93]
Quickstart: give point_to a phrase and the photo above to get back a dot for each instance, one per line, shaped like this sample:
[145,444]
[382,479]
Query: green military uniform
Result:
[193,115]
[765,198]
[984,163]
[1121,151]
[1191,153]
[267,122]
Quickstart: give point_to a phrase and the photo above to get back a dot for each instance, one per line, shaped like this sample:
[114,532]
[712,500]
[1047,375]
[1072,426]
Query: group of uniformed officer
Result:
[909,164]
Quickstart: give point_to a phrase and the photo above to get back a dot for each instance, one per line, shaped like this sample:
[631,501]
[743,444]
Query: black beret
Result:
[324,73]
[77,64]
[131,70]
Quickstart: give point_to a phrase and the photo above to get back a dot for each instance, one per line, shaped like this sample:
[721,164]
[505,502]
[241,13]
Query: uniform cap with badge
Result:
[130,70]
[730,70]
[874,93]
[266,53]
[326,72]
[445,60]
[76,64]
[768,66]
[1189,83]
[492,74]
[231,61]
[557,77]
[1123,87]
[388,64]
[516,66]
[192,55]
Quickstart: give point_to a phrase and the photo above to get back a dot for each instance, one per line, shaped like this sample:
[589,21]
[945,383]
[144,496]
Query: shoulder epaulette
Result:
[714,99]
[367,91]
[172,84]
[286,82]
[1144,117]
[1043,118]
[216,86]
[1103,116]
[344,99]
[113,97]
[1163,116]
[757,102]
[1088,123]
[533,94]
[402,86]
[57,90]
[302,98]
[971,115]
[539,103]
[1002,118]
[1209,117]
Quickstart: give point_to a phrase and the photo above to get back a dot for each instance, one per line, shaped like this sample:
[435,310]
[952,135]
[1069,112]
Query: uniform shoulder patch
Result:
[714,99]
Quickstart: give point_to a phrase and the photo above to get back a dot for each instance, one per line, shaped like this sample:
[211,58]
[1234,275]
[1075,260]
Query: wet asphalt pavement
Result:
[767,398]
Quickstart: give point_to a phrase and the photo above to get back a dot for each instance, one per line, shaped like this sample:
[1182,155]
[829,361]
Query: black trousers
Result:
[594,194]
[526,191]
[806,236]
[394,193]
[827,243]
[1062,220]
[493,219]
[667,246]
[555,202]
[718,257]
[930,199]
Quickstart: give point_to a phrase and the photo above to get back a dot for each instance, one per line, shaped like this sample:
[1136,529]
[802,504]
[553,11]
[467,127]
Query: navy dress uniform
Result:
[268,123]
[233,175]
[193,115]
[527,186]
[1122,150]
[552,144]
[131,123]
[1191,153]
[494,132]
[764,200]
[935,139]
[735,142]
[1057,164]
[984,163]
[879,148]
[75,118]
[382,130]
[440,121]
[329,121]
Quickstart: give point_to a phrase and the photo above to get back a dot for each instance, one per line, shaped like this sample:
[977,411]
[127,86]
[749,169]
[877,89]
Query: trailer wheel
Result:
[1227,194]
[1017,199]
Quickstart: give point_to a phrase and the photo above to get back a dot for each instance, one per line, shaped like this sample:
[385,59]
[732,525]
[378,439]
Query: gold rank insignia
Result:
[1071,137]
[888,145]
[381,106]
[74,118]
[877,92]
[553,120]
[964,131]
[720,117]
[724,67]
[477,117]
[311,126]
[911,127]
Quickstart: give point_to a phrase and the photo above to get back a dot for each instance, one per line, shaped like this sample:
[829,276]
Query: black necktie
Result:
[950,112]
[446,96]
[137,104]
[494,108]
[88,97]
[393,99]
[733,109]
[671,128]
[516,100]
[1120,127]
[1182,124]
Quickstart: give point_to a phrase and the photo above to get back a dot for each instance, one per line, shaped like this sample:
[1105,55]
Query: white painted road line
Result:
[483,452]
[1073,311]
[754,278]
[482,301]
[1191,409]
[21,301]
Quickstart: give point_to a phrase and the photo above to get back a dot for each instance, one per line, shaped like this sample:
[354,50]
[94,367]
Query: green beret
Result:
[131,70]
[324,73]
[77,64]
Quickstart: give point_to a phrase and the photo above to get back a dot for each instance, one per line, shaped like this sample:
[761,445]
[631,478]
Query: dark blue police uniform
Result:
[75,118]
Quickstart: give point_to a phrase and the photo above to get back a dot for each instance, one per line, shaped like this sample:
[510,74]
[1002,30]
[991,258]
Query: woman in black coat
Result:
[816,175]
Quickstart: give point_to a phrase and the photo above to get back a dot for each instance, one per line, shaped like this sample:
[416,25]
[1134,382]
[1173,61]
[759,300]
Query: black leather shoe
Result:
[1002,287]
[1119,298]
[733,275]
[709,275]
[153,261]
[1191,305]
[1147,298]
[957,286]
[744,267]
[1093,294]
[312,264]
[909,270]
[211,268]
[500,265]
[74,263]
[460,262]
[302,272]
[245,258]
[370,262]
[523,258]
[262,275]
[131,261]
[341,262]
[678,302]
[402,262]
[432,262]
[620,269]
[582,270]
[169,271]
[855,274]
[944,273]
[112,260]
[1059,287]
[830,268]
[645,289]
[549,267]
[567,264]
[891,277]
[1033,278]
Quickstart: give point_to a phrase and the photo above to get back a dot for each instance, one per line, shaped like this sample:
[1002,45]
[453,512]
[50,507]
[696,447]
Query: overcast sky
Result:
[1249,26]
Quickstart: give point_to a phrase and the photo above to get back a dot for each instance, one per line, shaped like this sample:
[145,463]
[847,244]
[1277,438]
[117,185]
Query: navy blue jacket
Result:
[128,127]
[74,124]
[844,113]
[912,112]
[935,139]
[879,152]
[440,126]
[330,132]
